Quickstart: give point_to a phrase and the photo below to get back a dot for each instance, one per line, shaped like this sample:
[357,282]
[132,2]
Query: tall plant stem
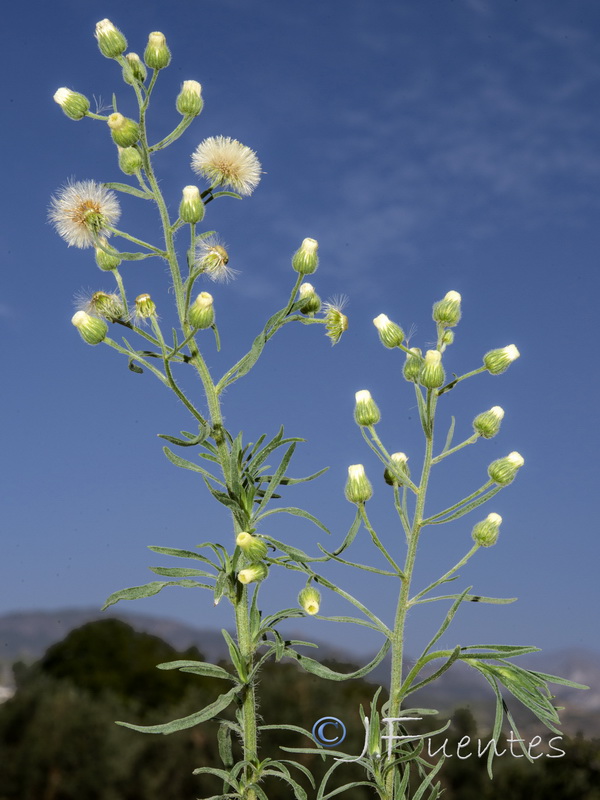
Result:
[245,643]
[396,696]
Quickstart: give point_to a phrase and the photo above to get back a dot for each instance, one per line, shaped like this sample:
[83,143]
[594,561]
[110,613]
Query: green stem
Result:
[404,604]
[453,383]
[470,440]
[386,458]
[462,502]
[446,575]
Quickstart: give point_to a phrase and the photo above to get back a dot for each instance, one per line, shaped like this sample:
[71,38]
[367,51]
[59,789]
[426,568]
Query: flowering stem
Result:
[387,459]
[453,383]
[464,501]
[135,240]
[446,575]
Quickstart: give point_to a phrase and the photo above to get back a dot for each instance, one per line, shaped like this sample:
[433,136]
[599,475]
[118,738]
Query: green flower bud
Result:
[189,100]
[486,533]
[253,574]
[111,41]
[358,488]
[75,105]
[498,361]
[125,132]
[134,71]
[108,306]
[105,261]
[398,470]
[311,300]
[191,208]
[503,470]
[335,322]
[305,259]
[488,423]
[432,372]
[310,600]
[130,160]
[157,55]
[91,329]
[201,313]
[447,311]
[447,338]
[144,307]
[365,410]
[390,333]
[254,549]
[412,365]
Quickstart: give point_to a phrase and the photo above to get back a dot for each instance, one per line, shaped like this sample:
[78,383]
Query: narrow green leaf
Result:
[226,194]
[224,743]
[447,620]
[449,436]
[472,598]
[134,367]
[149,589]
[124,187]
[466,509]
[294,512]
[316,668]
[180,572]
[187,722]
[174,551]
[277,476]
[198,668]
[236,656]
[191,440]
[184,464]
[292,481]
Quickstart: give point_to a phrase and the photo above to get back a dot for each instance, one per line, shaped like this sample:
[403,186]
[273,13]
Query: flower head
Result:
[81,212]
[226,162]
[212,257]
[335,322]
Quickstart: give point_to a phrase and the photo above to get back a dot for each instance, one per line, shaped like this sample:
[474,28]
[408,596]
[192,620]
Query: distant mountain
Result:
[27,634]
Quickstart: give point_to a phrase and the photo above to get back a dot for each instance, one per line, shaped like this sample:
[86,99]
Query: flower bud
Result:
[486,533]
[130,160]
[390,333]
[305,259]
[412,365]
[397,471]
[311,300]
[157,55]
[91,329]
[503,470]
[105,260]
[358,488]
[144,307]
[134,71]
[125,132]
[111,41]
[488,423]
[310,599]
[447,311]
[432,372]
[335,322]
[191,208]
[201,313]
[253,574]
[189,100]
[447,338]
[365,411]
[75,105]
[108,306]
[254,549]
[498,361]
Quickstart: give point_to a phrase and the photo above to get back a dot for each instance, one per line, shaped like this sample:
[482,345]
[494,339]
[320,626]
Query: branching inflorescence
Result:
[85,214]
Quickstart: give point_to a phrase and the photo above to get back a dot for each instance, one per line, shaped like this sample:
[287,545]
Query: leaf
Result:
[191,440]
[277,476]
[236,656]
[224,743]
[149,589]
[134,367]
[447,620]
[473,598]
[226,194]
[197,668]
[187,722]
[124,187]
[294,512]
[180,572]
[316,668]
[174,551]
[184,464]
[450,435]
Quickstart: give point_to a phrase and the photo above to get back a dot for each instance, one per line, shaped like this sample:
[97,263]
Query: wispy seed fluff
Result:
[226,162]
[212,257]
[81,212]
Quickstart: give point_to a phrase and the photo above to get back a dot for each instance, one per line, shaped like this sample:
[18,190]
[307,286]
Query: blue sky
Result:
[427,146]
